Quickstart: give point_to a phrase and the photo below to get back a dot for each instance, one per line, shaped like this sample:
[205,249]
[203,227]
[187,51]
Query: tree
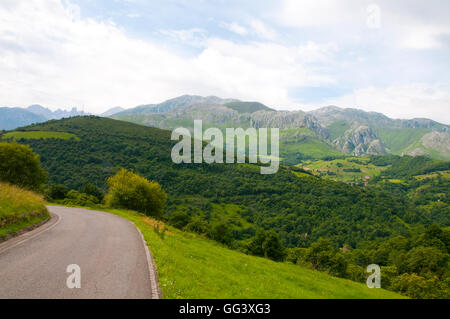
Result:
[57,191]
[272,247]
[267,244]
[321,254]
[222,233]
[20,166]
[93,190]
[197,225]
[179,219]
[131,191]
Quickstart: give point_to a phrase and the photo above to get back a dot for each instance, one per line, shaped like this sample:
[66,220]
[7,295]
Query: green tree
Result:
[272,247]
[179,219]
[20,166]
[131,191]
[197,225]
[222,233]
[93,190]
[267,244]
[57,191]
[321,254]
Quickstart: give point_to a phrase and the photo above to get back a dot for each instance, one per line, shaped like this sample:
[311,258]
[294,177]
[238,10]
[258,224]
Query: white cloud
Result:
[263,31]
[409,24]
[194,36]
[402,101]
[54,58]
[235,27]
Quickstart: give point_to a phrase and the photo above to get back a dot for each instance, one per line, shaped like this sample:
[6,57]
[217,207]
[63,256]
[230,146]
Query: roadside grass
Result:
[19,209]
[191,266]
[38,135]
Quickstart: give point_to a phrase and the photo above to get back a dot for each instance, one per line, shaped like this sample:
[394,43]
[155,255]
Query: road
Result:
[108,249]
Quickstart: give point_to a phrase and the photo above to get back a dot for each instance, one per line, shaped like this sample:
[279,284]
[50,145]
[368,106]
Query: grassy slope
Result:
[305,142]
[39,134]
[317,167]
[190,266]
[19,209]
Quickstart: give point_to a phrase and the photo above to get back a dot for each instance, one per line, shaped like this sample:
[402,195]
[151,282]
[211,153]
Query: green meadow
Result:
[191,266]
[38,135]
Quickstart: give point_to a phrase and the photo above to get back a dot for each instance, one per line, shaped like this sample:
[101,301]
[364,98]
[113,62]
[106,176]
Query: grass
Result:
[190,266]
[336,169]
[443,174]
[399,140]
[19,209]
[40,134]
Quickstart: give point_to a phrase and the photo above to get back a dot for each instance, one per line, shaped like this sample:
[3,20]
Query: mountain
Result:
[10,118]
[176,103]
[112,111]
[327,132]
[54,115]
[358,133]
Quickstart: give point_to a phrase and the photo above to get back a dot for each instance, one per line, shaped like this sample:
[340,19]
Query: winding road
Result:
[110,252]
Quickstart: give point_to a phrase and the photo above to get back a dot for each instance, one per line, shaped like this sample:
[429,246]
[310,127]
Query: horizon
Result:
[377,56]
[70,108]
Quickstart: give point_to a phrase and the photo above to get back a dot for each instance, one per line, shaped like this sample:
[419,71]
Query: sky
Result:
[384,56]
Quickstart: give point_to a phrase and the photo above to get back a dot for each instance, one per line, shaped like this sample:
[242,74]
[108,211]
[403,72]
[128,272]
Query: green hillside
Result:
[247,107]
[190,266]
[398,140]
[284,202]
[39,134]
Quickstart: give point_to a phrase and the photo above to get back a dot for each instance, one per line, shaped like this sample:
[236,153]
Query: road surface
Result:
[108,249]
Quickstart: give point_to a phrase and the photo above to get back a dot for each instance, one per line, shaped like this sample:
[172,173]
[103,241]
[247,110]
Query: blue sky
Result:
[385,56]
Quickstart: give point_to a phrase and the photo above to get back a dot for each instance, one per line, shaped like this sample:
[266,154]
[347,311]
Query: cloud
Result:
[261,30]
[52,55]
[411,24]
[401,101]
[55,58]
[194,36]
[235,27]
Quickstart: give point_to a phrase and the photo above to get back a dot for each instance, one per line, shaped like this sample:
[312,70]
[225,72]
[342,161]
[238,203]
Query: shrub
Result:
[80,199]
[57,191]
[179,219]
[20,166]
[197,225]
[93,190]
[222,233]
[266,244]
[131,191]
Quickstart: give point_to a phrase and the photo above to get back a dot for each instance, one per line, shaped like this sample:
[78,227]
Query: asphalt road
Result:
[108,249]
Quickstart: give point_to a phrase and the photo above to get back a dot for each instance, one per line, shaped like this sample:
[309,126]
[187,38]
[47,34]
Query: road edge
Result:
[46,225]
[152,270]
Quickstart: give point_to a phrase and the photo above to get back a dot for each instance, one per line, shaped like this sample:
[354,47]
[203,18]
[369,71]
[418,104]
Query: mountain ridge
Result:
[348,130]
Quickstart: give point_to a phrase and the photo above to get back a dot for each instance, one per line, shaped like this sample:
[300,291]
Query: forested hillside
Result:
[299,207]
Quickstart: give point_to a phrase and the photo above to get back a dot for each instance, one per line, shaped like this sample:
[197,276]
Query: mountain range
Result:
[11,118]
[327,132]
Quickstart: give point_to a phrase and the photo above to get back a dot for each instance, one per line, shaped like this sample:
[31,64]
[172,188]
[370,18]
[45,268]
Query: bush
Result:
[197,225]
[20,166]
[266,244]
[131,191]
[272,247]
[93,190]
[179,219]
[222,233]
[57,191]
[76,198]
